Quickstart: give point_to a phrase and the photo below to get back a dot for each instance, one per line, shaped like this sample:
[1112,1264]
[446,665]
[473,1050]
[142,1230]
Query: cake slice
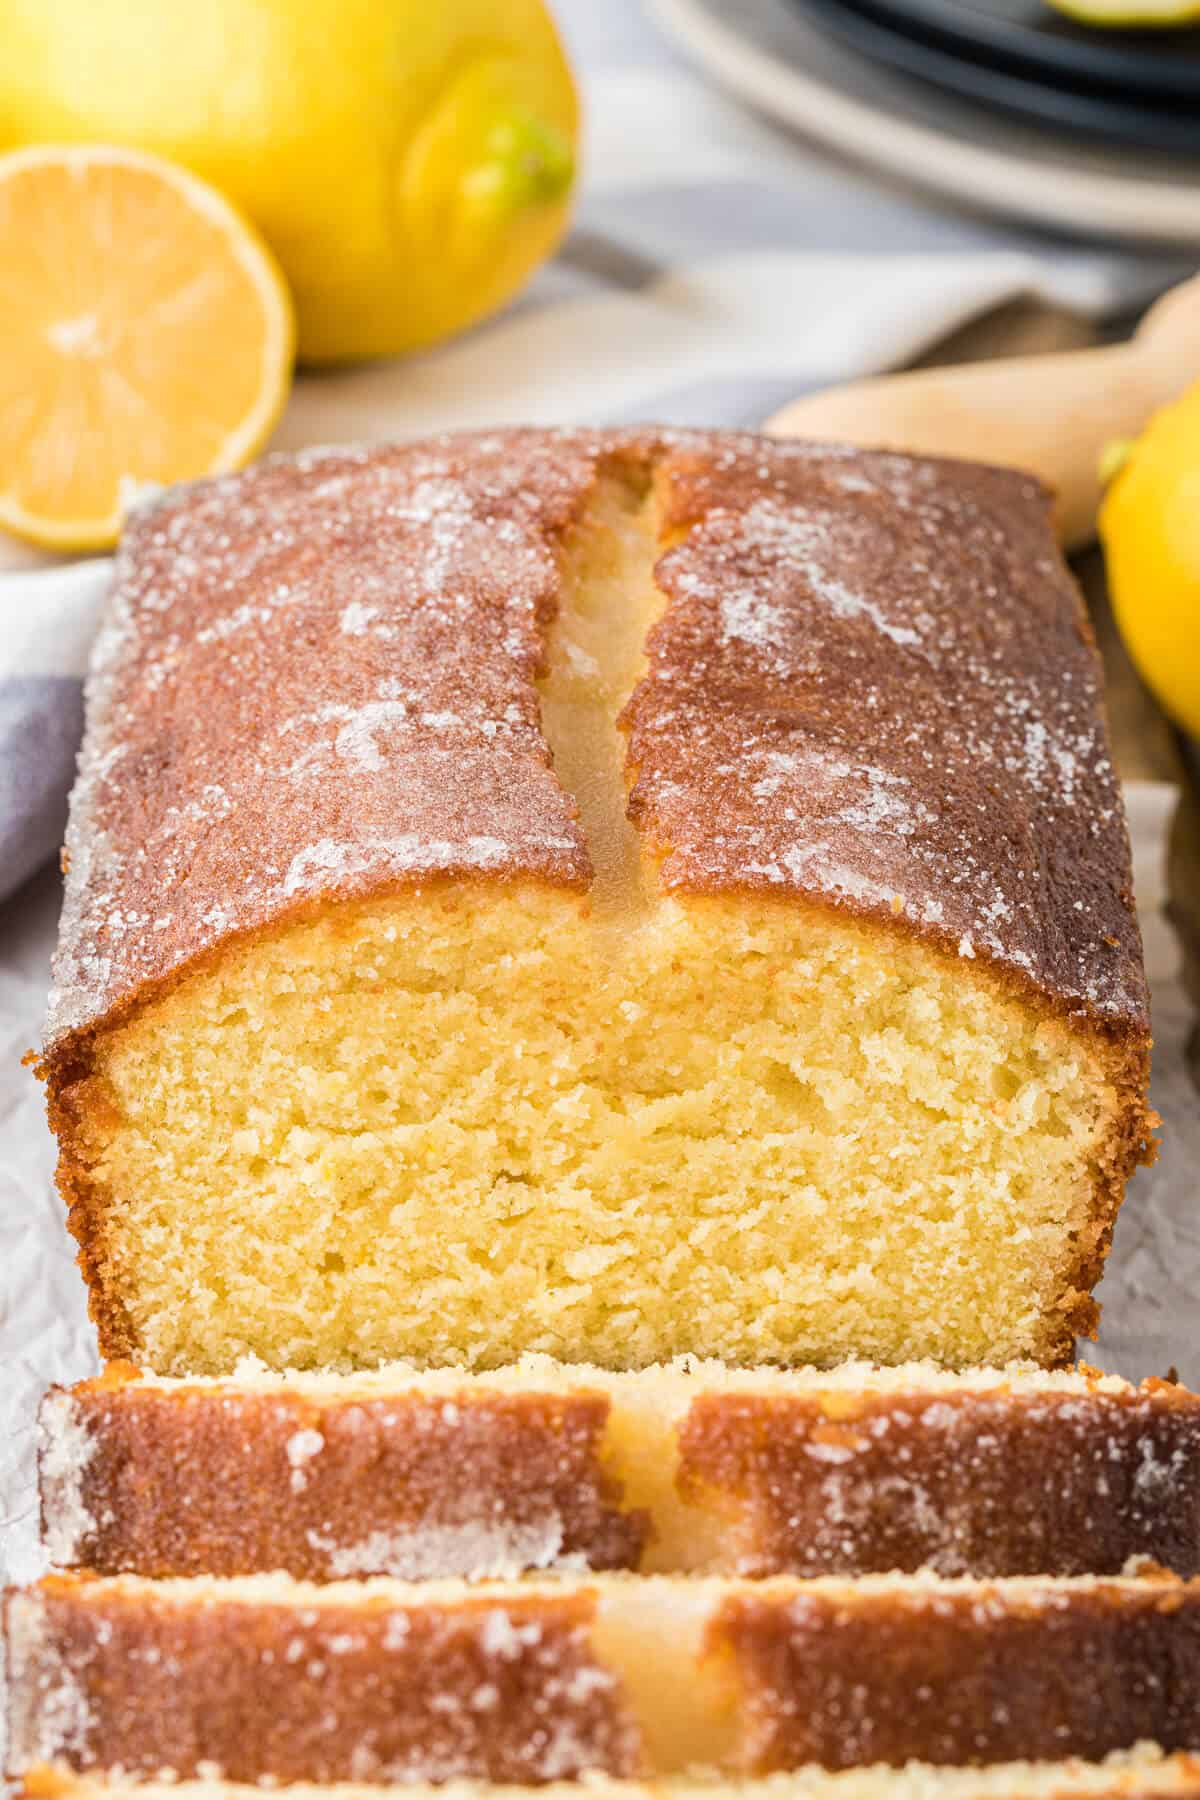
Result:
[687,1467]
[1141,1774]
[265,1679]
[609,894]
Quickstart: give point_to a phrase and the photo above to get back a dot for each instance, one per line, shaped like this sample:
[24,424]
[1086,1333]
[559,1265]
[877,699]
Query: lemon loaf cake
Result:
[611,895]
[684,1468]
[264,1678]
[1139,1774]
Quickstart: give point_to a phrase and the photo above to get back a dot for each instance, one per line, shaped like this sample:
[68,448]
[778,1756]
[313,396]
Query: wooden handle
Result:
[1052,414]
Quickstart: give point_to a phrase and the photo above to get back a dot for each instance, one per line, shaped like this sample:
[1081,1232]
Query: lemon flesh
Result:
[1150,529]
[408,163]
[146,337]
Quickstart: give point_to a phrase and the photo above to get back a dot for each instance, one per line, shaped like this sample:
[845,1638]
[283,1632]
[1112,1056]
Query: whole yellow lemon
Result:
[410,162]
[1150,529]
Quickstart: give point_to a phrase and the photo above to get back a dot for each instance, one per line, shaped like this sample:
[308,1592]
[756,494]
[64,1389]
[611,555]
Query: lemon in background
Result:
[410,162]
[1150,529]
[1130,15]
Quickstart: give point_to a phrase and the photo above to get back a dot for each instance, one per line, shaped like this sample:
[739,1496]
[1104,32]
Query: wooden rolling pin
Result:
[1052,414]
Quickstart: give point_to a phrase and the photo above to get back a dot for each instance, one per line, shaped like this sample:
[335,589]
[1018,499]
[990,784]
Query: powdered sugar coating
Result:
[48,1713]
[873,687]
[66,1449]
[481,1549]
[299,1449]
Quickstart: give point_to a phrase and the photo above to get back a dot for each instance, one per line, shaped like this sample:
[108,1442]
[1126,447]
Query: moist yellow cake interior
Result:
[485,1118]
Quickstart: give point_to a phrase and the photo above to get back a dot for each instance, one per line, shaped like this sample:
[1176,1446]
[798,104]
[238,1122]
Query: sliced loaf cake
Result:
[687,1467]
[263,1678]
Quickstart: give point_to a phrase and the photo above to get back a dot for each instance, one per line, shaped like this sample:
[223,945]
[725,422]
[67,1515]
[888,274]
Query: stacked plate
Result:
[1003,103]
[1140,88]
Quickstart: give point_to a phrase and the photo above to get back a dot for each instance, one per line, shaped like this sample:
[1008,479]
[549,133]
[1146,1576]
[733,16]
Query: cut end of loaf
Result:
[464,1125]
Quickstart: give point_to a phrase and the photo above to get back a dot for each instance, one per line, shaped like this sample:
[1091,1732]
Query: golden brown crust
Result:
[77,1110]
[984,1484]
[980,1675]
[207,1481]
[1129,1144]
[501,1690]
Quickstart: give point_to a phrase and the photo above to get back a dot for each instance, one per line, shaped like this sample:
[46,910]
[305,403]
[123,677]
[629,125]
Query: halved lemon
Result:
[146,336]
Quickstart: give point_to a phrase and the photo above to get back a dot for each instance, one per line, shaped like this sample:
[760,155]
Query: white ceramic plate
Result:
[770,54]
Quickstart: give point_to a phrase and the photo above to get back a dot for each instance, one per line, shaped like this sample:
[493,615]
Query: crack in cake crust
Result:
[596,657]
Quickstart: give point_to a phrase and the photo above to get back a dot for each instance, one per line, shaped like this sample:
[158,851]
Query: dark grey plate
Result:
[1099,111]
[1030,38]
